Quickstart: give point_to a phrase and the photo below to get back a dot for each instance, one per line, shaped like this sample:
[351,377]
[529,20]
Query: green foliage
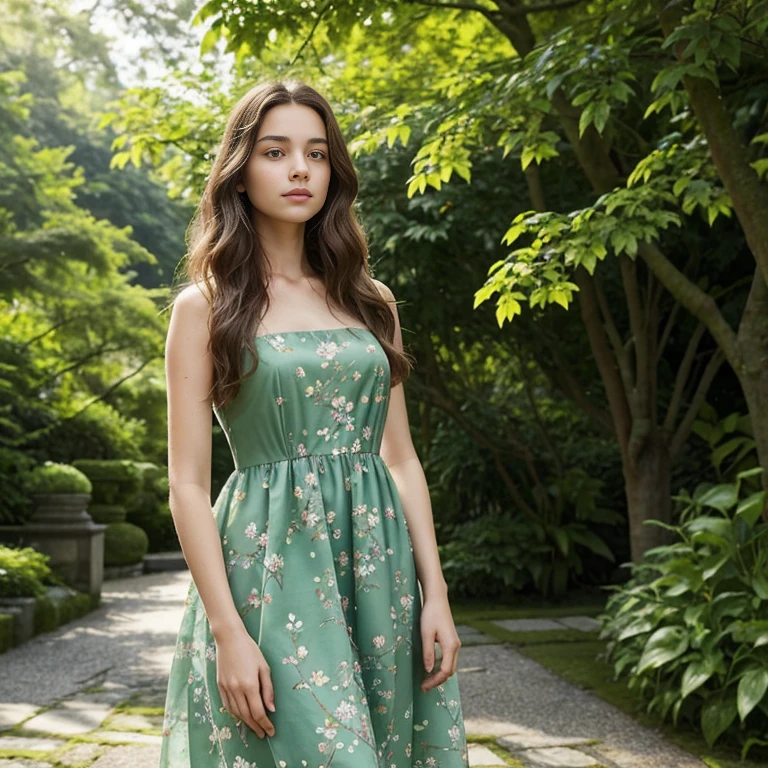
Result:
[53,477]
[495,554]
[124,544]
[150,510]
[730,439]
[690,628]
[24,572]
[115,481]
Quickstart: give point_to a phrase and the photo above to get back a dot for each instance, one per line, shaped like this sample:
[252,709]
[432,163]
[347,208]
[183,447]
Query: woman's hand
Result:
[437,624]
[245,681]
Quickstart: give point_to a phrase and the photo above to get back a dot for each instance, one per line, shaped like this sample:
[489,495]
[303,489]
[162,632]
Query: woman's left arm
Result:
[400,456]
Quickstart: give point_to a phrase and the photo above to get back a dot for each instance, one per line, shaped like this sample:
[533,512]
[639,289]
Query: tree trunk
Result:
[647,486]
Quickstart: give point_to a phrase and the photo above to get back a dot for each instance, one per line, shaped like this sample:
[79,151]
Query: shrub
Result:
[52,477]
[545,547]
[690,628]
[124,544]
[23,572]
[115,481]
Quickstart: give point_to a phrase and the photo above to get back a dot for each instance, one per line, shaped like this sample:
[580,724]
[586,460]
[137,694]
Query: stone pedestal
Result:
[76,549]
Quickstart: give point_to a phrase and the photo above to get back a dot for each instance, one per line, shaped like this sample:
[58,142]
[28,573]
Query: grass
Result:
[573,655]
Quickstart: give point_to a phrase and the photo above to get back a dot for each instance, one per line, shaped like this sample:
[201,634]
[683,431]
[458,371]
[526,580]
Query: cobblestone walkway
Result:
[91,695]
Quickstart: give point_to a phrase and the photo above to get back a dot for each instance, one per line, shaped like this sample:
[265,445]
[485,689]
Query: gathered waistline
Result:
[332,454]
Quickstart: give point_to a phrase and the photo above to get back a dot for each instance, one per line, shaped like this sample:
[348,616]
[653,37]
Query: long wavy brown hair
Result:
[224,254]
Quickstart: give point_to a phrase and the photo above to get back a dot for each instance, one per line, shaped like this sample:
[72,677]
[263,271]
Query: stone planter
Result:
[23,610]
[67,508]
[61,527]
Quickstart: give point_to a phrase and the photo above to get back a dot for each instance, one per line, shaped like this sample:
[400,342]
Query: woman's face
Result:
[290,150]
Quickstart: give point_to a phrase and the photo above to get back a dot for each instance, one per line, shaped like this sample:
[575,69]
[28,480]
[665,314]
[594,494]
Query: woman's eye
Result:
[314,152]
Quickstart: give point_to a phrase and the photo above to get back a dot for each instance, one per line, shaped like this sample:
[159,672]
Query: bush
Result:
[150,511]
[546,547]
[690,628]
[24,572]
[52,477]
[124,544]
[115,481]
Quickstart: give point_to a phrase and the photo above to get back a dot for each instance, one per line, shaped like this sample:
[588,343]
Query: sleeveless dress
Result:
[320,564]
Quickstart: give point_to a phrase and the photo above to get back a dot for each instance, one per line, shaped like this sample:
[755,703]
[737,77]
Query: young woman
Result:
[317,597]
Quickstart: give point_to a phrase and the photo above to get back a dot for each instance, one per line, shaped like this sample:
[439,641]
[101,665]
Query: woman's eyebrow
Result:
[286,140]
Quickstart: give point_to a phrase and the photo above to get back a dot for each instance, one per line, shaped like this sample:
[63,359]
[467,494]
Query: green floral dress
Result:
[320,565]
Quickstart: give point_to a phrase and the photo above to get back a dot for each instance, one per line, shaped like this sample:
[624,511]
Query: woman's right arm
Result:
[243,674]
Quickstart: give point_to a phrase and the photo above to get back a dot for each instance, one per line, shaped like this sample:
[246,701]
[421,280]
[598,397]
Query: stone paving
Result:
[91,694]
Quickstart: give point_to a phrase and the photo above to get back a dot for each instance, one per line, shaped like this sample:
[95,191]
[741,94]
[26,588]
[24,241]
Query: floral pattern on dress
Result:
[319,561]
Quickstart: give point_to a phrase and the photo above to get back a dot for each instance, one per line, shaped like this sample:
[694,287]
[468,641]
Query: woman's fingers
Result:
[448,665]
[258,714]
[243,706]
[267,689]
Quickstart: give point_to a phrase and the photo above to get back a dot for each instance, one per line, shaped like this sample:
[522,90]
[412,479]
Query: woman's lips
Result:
[297,198]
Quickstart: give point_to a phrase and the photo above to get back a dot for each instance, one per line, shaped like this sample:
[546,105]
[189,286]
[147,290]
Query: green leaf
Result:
[696,674]
[717,714]
[752,688]
[750,509]
[663,646]
[721,497]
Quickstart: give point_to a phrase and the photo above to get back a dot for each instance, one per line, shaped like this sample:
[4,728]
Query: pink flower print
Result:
[318,678]
[363,398]
[356,375]
[263,539]
[337,533]
[302,652]
[367,432]
[379,641]
[300,372]
[310,519]
[343,557]
[330,516]
[454,732]
[408,750]
[266,598]
[325,431]
[406,601]
[370,348]
[302,449]
[310,478]
[254,599]
[309,391]
[345,711]
[273,562]
[297,492]
[250,531]
[390,513]
[327,349]
[279,400]
[239,495]
[292,623]
[327,730]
